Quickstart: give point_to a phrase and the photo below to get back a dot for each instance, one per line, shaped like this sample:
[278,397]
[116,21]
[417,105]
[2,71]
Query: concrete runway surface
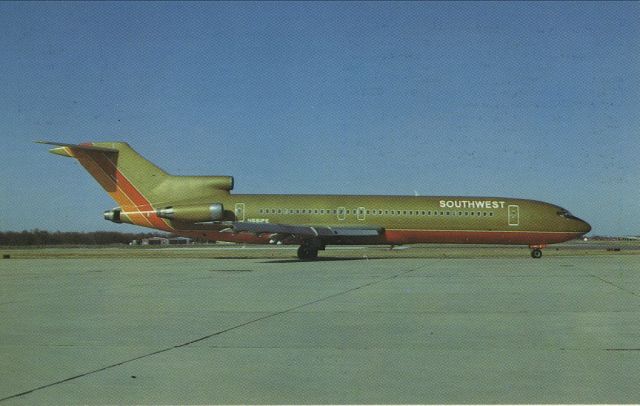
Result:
[562,329]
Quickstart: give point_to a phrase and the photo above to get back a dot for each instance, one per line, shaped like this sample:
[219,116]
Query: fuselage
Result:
[405,219]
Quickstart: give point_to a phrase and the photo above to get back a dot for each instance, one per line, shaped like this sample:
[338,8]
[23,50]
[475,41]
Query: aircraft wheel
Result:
[537,253]
[307,252]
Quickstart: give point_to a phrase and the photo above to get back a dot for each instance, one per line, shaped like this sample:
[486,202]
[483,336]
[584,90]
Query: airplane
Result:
[203,207]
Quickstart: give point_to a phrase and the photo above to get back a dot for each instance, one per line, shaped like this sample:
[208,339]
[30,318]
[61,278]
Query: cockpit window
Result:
[566,214]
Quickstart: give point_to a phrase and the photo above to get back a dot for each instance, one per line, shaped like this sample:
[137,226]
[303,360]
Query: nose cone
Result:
[582,226]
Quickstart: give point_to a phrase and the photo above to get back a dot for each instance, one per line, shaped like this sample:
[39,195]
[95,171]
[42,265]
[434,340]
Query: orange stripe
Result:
[141,202]
[103,178]
[121,190]
[101,170]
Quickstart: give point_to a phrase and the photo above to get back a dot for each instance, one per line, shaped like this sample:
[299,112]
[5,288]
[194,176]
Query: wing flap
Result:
[356,232]
[304,231]
[268,228]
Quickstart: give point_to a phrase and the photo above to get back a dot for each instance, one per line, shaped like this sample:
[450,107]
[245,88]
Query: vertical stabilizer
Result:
[128,177]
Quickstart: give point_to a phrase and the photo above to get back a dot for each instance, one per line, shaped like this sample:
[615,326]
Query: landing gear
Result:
[536,253]
[536,250]
[306,252]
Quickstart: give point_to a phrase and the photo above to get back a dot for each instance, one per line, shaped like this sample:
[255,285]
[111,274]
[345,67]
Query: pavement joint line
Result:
[344,292]
[614,285]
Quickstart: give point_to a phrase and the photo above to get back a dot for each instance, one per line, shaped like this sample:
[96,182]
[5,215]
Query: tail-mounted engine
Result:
[193,214]
[113,215]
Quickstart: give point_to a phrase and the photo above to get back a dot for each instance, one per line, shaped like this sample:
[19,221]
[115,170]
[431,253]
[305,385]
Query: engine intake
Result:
[193,214]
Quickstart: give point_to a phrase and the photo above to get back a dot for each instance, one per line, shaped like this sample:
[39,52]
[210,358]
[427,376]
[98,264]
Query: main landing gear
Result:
[309,250]
[306,252]
[536,251]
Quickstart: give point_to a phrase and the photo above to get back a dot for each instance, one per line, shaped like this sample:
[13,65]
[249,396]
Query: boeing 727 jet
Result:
[203,207]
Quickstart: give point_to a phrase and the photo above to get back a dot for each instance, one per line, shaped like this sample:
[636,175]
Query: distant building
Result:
[155,241]
[179,241]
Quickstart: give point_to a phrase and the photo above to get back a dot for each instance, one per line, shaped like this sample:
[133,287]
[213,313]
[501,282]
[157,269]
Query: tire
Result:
[305,252]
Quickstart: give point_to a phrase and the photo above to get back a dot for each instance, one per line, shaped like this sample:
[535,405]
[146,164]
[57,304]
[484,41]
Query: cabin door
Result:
[514,215]
[239,211]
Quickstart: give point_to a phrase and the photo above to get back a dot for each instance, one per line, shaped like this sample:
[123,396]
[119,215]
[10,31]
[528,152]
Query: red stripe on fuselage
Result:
[397,237]
[476,237]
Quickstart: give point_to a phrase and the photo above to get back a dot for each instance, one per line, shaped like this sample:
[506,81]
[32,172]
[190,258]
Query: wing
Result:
[284,232]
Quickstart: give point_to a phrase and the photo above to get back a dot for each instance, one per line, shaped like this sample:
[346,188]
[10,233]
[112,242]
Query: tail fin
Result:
[136,184]
[122,172]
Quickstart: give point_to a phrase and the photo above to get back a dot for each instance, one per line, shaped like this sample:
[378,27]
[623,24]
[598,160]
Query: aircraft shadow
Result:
[319,259]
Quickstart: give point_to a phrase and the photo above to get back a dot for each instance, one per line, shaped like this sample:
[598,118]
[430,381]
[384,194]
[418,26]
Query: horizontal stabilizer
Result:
[86,147]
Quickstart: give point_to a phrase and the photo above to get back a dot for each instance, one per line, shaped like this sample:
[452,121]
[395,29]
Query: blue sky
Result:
[533,100]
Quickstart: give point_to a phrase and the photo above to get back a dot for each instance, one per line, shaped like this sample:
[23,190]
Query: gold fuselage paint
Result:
[204,207]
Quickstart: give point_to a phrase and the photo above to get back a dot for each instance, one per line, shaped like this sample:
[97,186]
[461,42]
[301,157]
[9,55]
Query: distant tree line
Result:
[43,237]
[615,238]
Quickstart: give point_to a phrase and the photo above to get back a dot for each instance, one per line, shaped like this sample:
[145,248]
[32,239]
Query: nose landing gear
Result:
[536,251]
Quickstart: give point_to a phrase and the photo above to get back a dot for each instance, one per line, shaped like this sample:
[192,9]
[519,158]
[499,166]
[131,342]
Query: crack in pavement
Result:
[185,344]
[614,285]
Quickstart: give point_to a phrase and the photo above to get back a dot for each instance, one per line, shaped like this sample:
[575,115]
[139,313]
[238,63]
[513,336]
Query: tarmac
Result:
[561,329]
